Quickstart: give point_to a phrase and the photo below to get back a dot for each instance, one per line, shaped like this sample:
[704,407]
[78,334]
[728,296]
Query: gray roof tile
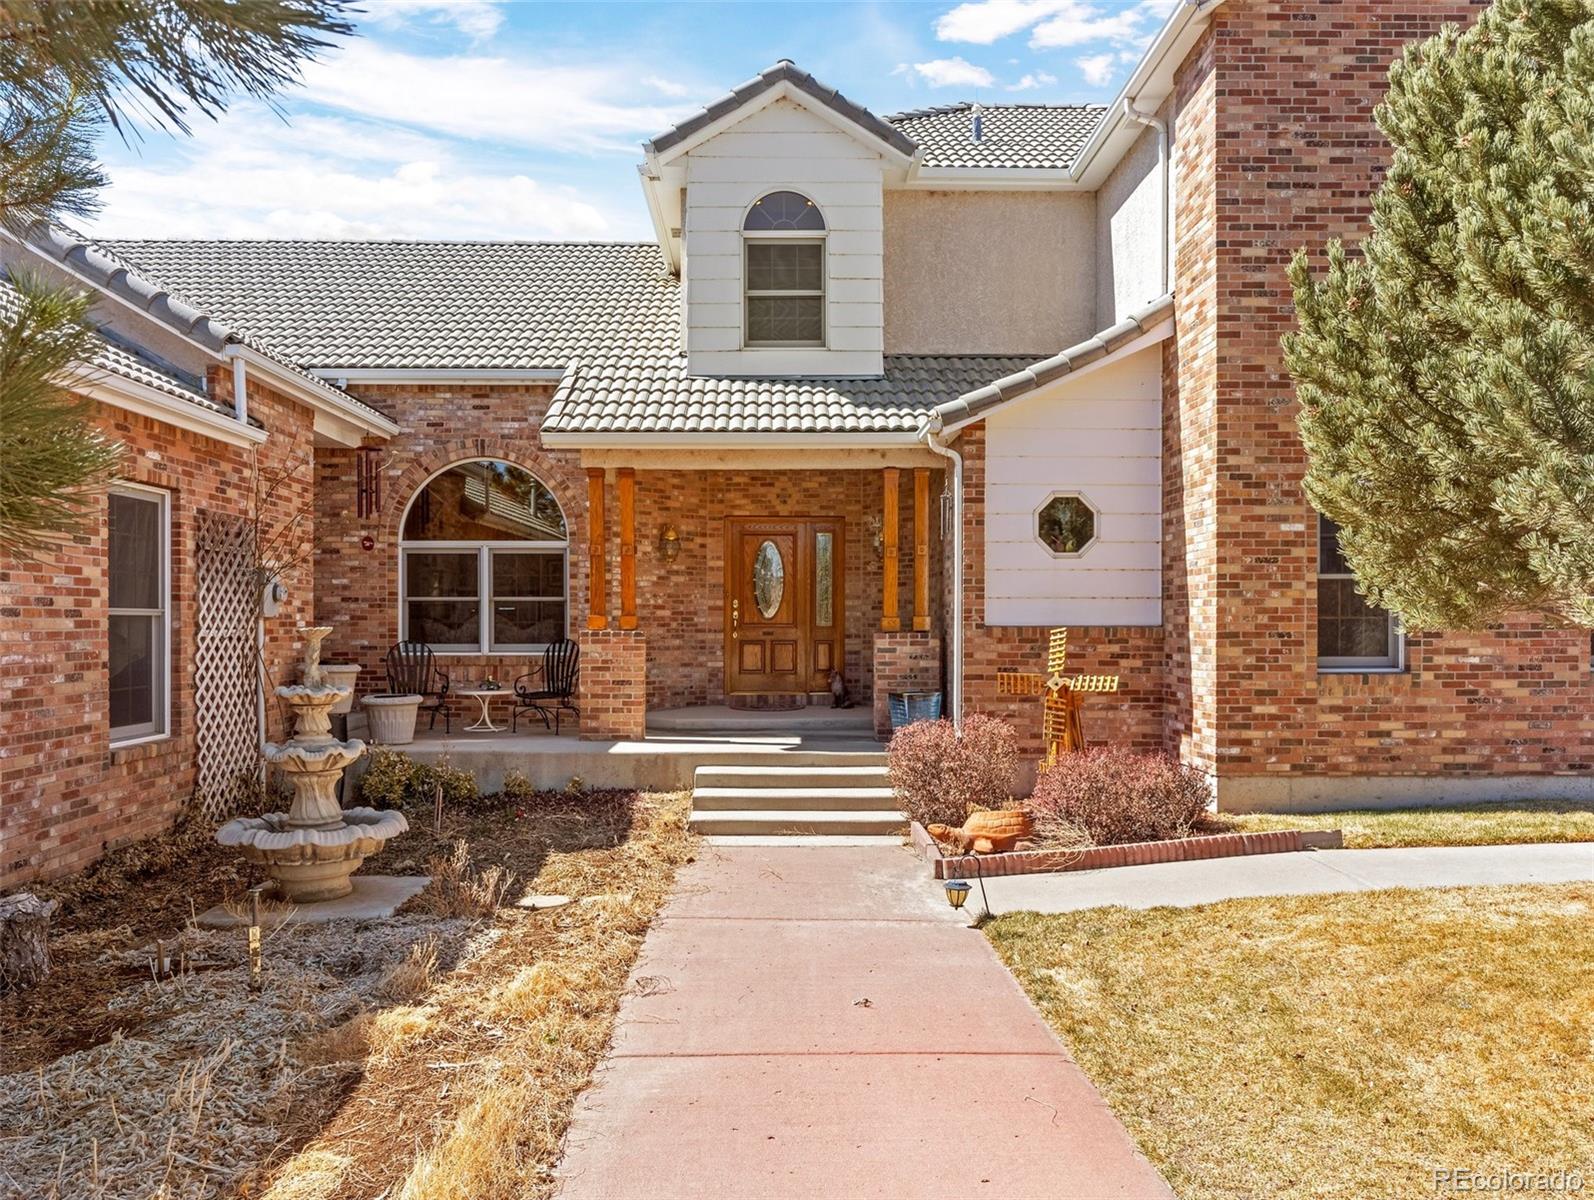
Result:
[1011,135]
[785,71]
[654,394]
[125,362]
[432,305]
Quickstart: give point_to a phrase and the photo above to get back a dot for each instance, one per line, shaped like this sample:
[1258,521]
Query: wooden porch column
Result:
[597,601]
[921,548]
[627,485]
[890,620]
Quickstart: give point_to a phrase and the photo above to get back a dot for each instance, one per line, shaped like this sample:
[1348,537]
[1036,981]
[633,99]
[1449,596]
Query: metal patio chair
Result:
[555,687]
[412,670]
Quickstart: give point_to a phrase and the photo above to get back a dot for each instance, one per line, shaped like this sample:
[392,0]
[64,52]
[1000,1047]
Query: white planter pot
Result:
[392,718]
[344,675]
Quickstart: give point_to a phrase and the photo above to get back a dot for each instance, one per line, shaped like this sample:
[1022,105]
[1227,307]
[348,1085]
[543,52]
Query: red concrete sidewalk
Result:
[811,1022]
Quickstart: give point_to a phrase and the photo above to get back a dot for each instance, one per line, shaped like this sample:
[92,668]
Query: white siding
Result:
[1099,436]
[783,146]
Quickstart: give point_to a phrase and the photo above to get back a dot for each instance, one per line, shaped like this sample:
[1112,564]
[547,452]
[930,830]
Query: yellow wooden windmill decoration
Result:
[1063,703]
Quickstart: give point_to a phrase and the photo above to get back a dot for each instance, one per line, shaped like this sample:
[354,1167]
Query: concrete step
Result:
[866,774]
[807,799]
[775,822]
[723,721]
[811,839]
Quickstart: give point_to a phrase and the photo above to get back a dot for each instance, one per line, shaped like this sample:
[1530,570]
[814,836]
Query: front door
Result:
[784,627]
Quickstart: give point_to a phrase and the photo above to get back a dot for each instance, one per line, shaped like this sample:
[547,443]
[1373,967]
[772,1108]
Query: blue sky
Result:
[487,119]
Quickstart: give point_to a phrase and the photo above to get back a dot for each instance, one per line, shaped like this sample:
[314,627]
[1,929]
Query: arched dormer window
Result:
[483,562]
[783,267]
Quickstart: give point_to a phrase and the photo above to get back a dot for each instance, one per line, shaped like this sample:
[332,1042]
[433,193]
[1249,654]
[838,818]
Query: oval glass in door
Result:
[769,579]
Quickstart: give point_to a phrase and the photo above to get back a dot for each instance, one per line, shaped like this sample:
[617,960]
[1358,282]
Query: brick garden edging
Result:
[1133,854]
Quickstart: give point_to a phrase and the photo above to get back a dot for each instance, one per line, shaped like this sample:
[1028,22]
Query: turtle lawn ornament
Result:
[987,831]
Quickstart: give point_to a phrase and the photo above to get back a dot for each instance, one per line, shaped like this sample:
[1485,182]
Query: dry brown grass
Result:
[1330,1046]
[468,1095]
[1514,823]
[459,889]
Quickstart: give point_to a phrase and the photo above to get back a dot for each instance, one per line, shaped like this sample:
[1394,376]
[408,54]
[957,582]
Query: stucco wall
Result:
[988,272]
[1128,241]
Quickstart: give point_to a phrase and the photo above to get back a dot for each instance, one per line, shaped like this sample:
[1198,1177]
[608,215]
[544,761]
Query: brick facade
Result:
[906,660]
[1276,148]
[65,794]
[613,694]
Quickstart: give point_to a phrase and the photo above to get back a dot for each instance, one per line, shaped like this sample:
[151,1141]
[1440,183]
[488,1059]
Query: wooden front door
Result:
[784,620]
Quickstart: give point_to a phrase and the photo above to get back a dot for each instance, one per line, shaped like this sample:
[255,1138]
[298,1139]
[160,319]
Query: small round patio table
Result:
[484,697]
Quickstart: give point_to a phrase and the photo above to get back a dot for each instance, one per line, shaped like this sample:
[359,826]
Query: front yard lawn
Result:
[433,1054]
[1343,1045]
[1504,824]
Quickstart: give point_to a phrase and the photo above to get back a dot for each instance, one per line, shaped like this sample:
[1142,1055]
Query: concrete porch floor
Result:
[678,742]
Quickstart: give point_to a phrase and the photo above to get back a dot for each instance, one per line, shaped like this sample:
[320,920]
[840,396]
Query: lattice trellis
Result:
[226,664]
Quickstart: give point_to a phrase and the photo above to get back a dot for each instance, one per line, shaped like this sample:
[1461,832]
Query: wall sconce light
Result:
[669,542]
[877,538]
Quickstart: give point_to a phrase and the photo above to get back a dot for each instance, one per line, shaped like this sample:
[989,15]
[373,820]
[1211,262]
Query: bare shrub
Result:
[1116,796]
[459,889]
[940,772]
[413,975]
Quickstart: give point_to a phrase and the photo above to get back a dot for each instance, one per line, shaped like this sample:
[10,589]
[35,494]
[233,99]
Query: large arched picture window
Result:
[784,271]
[483,562]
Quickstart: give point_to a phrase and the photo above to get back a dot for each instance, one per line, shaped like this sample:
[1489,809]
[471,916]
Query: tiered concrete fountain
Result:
[311,850]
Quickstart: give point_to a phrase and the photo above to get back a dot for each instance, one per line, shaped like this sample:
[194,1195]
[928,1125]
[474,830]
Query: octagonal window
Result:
[1066,524]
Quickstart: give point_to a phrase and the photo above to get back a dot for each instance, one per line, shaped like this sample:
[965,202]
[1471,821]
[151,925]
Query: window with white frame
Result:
[138,583]
[784,272]
[484,562]
[1352,634]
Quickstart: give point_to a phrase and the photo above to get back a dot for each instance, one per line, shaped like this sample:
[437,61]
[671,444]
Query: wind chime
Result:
[1063,698]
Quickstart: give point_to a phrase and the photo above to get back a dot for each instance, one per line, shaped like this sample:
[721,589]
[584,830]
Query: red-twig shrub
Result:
[938,772]
[1116,795]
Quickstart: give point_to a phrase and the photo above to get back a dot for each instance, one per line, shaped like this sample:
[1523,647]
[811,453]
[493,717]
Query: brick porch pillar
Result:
[614,684]
[905,660]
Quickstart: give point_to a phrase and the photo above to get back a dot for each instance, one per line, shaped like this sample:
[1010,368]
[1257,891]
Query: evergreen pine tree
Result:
[67,67]
[1447,373]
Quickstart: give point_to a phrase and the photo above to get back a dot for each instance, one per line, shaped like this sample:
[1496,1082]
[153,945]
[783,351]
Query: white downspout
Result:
[954,674]
[1163,165]
[240,389]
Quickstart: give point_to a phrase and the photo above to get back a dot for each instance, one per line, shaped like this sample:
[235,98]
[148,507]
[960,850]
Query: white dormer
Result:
[771,203]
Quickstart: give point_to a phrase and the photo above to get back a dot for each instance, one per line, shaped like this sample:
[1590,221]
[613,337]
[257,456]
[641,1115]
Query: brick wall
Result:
[681,605]
[904,661]
[357,589]
[1292,159]
[65,795]
[613,694]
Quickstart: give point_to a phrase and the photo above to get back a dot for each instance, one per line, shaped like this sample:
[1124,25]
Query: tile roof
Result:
[106,267]
[124,361]
[430,305]
[653,394]
[1011,135]
[785,71]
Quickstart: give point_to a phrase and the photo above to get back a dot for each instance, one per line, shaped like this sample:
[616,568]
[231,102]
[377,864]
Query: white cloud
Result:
[985,21]
[521,102]
[249,175]
[476,19]
[1052,23]
[953,72]
[667,87]
[1033,80]
[1097,69]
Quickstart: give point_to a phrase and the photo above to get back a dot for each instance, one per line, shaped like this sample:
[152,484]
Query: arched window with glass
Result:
[483,562]
[784,271]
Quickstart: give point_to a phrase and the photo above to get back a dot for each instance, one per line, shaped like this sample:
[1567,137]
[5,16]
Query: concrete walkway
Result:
[1184,884]
[813,1022]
